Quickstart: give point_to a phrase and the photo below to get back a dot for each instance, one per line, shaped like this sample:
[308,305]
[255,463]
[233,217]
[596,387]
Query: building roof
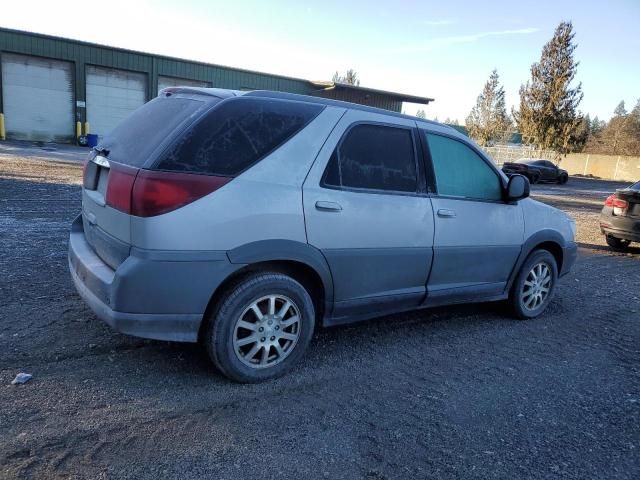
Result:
[318,85]
[330,85]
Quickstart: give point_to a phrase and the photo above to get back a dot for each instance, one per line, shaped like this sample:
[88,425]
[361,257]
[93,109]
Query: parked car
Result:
[620,217]
[536,170]
[243,220]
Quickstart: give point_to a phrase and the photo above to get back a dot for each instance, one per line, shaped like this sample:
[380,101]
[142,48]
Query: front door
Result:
[478,236]
[366,211]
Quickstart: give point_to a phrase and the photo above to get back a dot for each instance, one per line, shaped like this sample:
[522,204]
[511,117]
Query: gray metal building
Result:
[53,89]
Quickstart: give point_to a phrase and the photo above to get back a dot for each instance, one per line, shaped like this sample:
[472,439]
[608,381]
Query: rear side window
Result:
[138,135]
[375,157]
[237,134]
[461,172]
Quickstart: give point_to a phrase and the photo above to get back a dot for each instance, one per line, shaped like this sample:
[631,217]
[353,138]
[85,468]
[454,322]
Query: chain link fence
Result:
[511,153]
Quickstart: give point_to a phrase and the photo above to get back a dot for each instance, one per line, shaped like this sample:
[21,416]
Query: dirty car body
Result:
[243,220]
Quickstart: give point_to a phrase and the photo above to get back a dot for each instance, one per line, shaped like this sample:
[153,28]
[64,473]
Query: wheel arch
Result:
[547,239]
[300,261]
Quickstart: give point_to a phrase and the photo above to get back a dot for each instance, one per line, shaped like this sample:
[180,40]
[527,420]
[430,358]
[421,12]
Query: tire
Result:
[563,179]
[522,304]
[617,243]
[229,343]
[533,179]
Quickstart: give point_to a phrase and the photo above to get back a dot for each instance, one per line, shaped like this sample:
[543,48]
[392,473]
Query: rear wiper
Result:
[101,151]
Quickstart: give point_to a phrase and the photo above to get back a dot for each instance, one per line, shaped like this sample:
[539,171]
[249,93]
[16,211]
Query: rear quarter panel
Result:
[263,203]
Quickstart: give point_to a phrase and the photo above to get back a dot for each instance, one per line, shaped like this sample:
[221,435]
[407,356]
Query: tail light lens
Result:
[121,180]
[615,202]
[146,193]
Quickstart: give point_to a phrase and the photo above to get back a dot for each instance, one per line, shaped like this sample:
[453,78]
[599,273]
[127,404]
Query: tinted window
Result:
[138,135]
[460,171]
[236,134]
[374,157]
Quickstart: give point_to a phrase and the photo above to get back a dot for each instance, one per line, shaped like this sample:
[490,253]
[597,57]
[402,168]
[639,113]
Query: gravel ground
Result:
[463,392]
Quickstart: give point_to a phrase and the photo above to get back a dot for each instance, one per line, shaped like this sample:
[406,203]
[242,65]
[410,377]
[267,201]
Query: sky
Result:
[444,50]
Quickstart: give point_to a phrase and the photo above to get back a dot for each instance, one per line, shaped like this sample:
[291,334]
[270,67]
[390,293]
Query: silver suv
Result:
[244,220]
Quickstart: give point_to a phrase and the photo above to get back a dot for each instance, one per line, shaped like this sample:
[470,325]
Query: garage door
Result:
[37,95]
[111,96]
[164,82]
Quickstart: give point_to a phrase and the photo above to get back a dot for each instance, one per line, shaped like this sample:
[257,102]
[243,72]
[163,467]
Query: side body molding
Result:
[274,250]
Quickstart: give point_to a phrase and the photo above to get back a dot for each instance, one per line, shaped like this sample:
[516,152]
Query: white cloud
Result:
[440,42]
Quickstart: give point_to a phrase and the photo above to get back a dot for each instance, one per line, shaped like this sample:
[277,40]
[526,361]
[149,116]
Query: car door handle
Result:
[445,212]
[328,206]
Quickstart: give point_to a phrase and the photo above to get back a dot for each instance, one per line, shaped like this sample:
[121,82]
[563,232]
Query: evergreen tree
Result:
[349,78]
[421,114]
[621,136]
[548,117]
[489,121]
[597,126]
[620,111]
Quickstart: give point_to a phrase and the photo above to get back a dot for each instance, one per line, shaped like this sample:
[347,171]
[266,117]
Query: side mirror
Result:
[517,188]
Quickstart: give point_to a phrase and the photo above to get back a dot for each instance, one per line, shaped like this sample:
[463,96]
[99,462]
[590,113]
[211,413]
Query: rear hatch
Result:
[112,167]
[631,196]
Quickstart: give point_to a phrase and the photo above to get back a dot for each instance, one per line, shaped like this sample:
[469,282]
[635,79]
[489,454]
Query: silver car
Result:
[245,220]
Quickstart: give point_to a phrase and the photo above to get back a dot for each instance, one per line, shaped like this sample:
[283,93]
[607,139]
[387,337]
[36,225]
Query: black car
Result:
[536,170]
[620,217]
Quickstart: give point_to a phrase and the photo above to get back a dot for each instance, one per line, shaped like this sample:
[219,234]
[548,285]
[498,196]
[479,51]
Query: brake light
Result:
[121,180]
[615,202]
[155,193]
[146,193]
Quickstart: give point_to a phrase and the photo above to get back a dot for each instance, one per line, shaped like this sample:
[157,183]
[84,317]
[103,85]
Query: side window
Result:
[374,157]
[460,172]
[236,134]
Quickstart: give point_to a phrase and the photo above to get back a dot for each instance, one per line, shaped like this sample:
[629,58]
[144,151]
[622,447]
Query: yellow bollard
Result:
[78,129]
[3,134]
[86,128]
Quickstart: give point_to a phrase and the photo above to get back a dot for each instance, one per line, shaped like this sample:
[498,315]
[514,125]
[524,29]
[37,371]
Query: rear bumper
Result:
[622,227]
[152,294]
[569,256]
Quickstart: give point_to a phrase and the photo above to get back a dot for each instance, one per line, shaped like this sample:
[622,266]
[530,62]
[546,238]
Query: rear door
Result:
[366,210]
[550,171]
[478,236]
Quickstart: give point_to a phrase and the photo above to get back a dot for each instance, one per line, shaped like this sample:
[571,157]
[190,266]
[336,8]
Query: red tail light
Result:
[155,193]
[146,193]
[121,179]
[615,202]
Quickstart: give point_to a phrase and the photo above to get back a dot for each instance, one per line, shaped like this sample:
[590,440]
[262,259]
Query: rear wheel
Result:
[563,179]
[533,178]
[535,284]
[617,243]
[260,328]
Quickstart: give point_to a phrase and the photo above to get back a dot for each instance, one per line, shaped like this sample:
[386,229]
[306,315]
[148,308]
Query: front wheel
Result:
[563,179]
[535,284]
[260,328]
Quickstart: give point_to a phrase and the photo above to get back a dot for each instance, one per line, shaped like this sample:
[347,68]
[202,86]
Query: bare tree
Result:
[489,121]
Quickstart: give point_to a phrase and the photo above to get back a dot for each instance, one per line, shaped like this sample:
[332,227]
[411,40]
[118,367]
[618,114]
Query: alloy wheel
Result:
[537,286]
[267,331]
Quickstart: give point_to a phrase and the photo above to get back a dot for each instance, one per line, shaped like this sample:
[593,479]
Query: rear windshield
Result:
[138,135]
[635,186]
[237,134]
